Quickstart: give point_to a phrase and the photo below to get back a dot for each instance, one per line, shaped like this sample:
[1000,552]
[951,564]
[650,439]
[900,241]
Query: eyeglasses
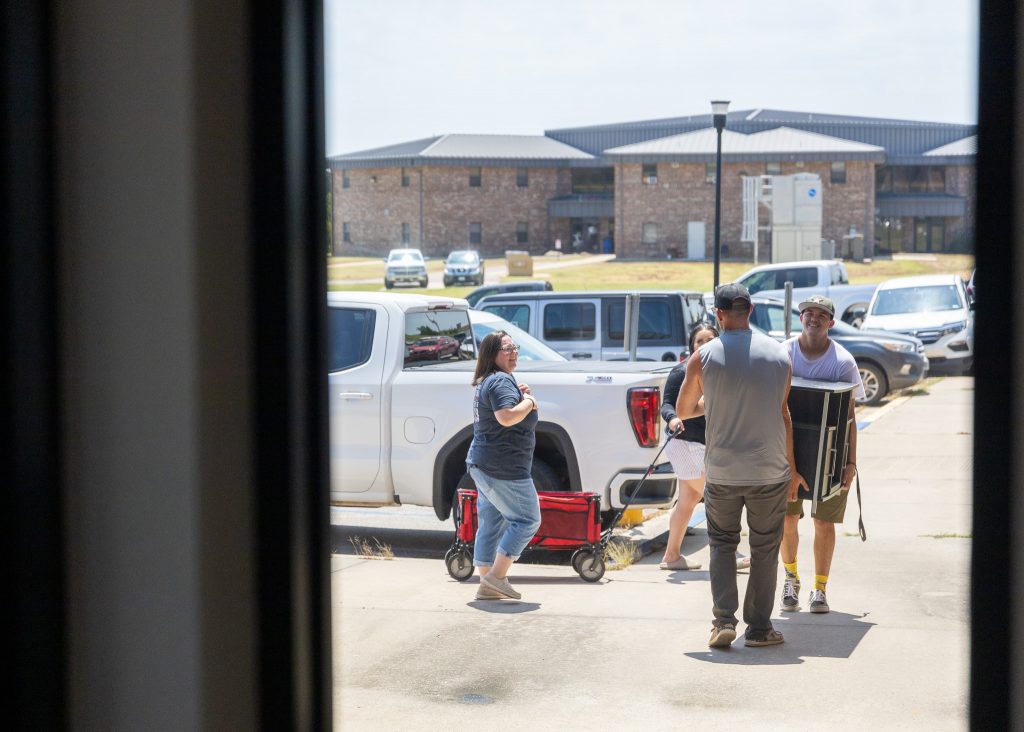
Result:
[510,349]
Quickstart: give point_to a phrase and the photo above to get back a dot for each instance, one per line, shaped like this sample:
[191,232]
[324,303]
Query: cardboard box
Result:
[519,264]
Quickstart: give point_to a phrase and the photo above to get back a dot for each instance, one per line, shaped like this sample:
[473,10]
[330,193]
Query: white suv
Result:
[405,265]
[934,308]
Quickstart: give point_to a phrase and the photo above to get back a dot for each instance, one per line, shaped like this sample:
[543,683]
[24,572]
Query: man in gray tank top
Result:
[740,381]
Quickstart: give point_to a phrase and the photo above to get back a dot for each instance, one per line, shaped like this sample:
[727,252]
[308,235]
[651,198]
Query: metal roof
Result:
[966,146]
[582,206]
[897,137]
[920,204]
[781,143]
[457,149]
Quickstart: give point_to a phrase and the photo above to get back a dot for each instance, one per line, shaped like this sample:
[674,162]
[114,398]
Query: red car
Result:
[433,348]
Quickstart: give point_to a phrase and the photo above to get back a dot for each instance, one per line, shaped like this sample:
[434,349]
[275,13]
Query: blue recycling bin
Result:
[606,246]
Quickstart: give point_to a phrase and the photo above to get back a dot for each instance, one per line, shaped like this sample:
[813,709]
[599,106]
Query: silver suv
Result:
[405,265]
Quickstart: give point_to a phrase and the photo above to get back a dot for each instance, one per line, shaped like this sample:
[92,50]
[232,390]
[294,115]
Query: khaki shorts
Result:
[833,510]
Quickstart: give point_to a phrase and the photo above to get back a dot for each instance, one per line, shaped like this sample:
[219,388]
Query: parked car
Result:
[589,325]
[464,265]
[400,429]
[529,286]
[817,277]
[887,361]
[405,265]
[934,308]
[431,348]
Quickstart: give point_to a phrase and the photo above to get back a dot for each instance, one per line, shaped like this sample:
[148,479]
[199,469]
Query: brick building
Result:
[647,188]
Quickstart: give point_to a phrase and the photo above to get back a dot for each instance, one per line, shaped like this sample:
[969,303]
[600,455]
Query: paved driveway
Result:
[414,650]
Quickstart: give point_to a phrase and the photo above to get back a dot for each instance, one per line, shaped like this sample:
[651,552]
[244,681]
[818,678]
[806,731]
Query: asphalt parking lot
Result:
[413,649]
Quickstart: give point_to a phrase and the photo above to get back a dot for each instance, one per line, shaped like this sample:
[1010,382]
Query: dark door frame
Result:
[287,120]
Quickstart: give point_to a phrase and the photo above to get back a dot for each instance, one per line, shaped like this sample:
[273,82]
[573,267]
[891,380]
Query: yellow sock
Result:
[791,569]
[819,581]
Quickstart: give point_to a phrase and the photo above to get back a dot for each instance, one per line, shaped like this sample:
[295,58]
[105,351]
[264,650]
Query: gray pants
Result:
[766,511]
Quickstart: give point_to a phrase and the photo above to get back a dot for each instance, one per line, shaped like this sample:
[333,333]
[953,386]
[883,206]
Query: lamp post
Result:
[718,112]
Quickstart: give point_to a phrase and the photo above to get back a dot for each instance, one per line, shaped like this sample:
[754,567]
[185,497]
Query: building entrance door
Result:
[929,235]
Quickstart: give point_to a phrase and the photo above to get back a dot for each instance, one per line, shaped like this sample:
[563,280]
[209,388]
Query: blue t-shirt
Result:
[505,453]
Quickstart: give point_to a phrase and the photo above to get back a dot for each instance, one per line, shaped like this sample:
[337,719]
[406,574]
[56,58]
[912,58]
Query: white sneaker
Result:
[742,561]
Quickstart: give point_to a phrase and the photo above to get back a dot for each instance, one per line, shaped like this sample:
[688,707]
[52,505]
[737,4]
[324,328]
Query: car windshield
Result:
[404,256]
[530,349]
[462,258]
[924,299]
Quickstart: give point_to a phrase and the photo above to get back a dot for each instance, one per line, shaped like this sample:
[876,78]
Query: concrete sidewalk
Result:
[414,650]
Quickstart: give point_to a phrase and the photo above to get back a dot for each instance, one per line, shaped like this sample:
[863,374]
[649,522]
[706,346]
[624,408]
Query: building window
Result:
[522,233]
[773,168]
[474,177]
[475,233]
[344,179]
[346,235]
[838,174]
[522,177]
[709,172]
[405,233]
[650,234]
[593,180]
[649,174]
[910,179]
[405,178]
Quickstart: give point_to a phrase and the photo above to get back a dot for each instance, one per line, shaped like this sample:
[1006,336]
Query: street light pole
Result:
[719,110]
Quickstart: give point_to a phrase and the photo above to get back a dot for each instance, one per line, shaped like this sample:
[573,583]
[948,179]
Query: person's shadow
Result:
[808,635]
[504,607]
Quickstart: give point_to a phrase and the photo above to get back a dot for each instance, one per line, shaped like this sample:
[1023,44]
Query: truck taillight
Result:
[644,405]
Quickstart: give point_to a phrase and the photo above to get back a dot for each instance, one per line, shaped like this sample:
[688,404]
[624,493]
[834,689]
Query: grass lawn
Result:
[650,275]
[682,275]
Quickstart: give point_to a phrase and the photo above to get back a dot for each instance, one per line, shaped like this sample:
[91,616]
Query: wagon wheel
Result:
[591,565]
[577,557]
[459,564]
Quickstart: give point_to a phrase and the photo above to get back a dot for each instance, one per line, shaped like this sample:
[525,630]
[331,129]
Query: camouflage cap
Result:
[819,301]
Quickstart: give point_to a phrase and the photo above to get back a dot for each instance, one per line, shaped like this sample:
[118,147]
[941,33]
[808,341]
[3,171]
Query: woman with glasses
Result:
[499,459]
[685,450]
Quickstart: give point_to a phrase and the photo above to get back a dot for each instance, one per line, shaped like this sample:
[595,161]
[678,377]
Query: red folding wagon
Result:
[567,521]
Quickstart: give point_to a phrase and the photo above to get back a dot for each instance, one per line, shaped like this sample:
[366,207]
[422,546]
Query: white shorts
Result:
[687,458]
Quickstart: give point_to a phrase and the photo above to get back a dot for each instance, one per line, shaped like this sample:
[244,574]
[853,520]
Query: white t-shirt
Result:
[835,364]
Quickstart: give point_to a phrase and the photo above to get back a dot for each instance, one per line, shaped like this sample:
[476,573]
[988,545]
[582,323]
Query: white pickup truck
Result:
[400,375]
[817,277]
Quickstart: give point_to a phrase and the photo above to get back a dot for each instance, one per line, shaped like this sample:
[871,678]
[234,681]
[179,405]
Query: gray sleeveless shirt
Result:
[745,378]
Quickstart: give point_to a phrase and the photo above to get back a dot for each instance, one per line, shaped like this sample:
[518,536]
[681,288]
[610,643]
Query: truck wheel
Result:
[544,476]
[854,318]
[875,384]
[388,284]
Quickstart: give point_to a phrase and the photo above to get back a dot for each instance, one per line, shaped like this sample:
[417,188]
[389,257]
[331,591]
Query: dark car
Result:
[887,361]
[531,286]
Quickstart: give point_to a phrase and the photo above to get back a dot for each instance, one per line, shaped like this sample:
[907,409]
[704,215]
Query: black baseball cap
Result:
[727,294]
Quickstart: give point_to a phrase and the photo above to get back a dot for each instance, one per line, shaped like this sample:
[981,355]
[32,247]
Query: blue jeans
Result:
[508,515]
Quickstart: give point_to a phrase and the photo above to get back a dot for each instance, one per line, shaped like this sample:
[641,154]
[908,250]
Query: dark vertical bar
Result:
[718,203]
[289,315]
[31,520]
[993,624]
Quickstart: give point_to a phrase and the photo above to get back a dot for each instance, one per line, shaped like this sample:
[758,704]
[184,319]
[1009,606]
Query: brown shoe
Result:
[770,637]
[722,636]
